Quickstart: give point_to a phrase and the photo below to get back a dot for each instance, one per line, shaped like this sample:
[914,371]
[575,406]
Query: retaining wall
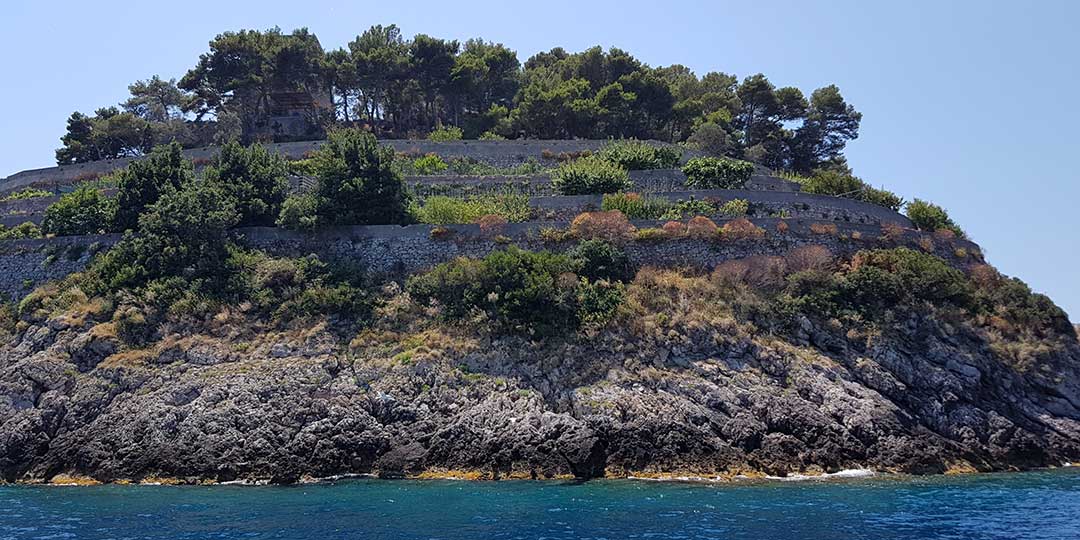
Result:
[506,153]
[395,250]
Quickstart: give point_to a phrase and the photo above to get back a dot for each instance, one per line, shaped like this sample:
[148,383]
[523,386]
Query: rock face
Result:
[704,400]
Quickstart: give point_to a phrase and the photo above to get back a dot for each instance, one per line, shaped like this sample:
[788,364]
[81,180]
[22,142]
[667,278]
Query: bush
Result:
[635,155]
[923,276]
[20,232]
[183,234]
[838,184]
[517,289]
[693,207]
[144,181]
[429,164]
[299,212]
[301,167]
[357,183]
[931,217]
[83,211]
[701,227]
[741,229]
[600,260]
[590,175]
[253,178]
[635,206]
[717,173]
[442,210]
[611,226]
[28,193]
[445,133]
[735,208]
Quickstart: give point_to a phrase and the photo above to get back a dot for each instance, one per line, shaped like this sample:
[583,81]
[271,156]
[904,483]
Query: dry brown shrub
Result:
[611,226]
[856,235]
[441,233]
[491,225]
[701,227]
[782,227]
[944,235]
[813,257]
[548,154]
[984,275]
[757,271]
[892,231]
[960,253]
[824,228]
[927,244]
[742,229]
[674,229]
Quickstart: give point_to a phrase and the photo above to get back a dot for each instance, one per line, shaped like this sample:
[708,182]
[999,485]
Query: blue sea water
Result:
[1036,505]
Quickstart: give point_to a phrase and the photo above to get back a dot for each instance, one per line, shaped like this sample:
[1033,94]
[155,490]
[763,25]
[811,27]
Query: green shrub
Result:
[635,206]
[144,181]
[515,288]
[931,217]
[20,232]
[442,210]
[838,184]
[490,136]
[735,208]
[717,173]
[28,193]
[921,276]
[598,301]
[429,164]
[357,182]
[445,133]
[590,175]
[536,292]
[83,211]
[600,260]
[299,212]
[689,208]
[635,155]
[183,234]
[253,178]
[301,167]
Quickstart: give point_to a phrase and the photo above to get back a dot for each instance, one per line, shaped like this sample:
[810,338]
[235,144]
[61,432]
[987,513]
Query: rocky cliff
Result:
[681,382]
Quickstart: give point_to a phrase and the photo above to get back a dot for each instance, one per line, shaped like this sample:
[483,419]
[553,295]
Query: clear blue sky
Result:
[969,104]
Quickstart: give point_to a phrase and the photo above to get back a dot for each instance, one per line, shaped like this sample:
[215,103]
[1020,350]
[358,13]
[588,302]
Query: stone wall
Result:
[498,153]
[25,264]
[394,250]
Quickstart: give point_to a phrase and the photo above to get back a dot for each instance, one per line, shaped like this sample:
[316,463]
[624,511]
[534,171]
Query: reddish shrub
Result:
[984,275]
[892,231]
[927,244]
[824,228]
[491,225]
[813,257]
[674,229]
[782,227]
[701,227]
[742,229]
[944,235]
[611,226]
[757,271]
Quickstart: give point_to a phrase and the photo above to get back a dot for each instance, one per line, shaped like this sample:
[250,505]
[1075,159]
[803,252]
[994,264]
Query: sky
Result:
[965,103]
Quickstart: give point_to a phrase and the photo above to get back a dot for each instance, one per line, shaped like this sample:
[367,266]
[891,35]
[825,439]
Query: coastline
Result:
[477,476]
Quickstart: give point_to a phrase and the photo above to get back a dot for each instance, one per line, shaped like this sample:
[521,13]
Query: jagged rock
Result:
[697,402]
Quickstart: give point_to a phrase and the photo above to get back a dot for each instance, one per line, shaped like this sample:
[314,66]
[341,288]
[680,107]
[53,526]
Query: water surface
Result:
[1037,505]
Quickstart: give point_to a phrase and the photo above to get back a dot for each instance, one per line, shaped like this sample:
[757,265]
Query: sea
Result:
[853,505]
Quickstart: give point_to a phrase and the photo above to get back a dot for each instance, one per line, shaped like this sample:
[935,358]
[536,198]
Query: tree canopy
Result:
[397,87]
